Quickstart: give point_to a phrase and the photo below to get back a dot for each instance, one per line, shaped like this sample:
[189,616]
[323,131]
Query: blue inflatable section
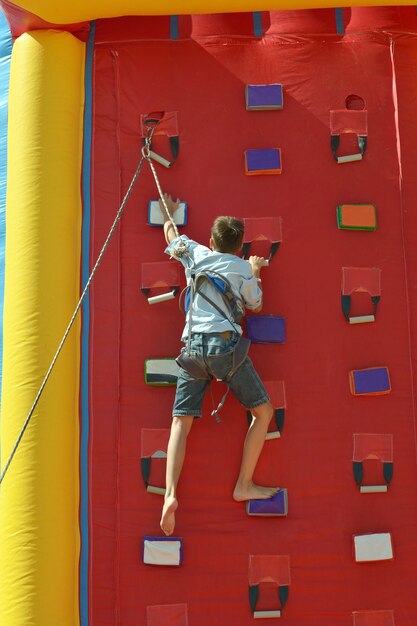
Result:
[5,54]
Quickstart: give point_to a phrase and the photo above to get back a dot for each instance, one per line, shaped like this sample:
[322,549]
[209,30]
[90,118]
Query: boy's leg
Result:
[245,489]
[180,428]
[187,406]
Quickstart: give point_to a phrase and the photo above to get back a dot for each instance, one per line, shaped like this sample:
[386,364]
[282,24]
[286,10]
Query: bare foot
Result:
[253,492]
[168,515]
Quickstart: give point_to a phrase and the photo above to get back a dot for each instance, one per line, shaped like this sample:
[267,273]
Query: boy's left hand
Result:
[257,263]
[172,206]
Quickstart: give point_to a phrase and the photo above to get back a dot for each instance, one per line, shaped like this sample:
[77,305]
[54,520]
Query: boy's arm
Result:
[169,230]
[257,263]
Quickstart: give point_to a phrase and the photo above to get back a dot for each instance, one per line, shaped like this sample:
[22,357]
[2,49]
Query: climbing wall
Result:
[199,68]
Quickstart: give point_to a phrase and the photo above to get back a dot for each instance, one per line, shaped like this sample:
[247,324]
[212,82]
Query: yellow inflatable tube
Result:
[39,499]
[80,10]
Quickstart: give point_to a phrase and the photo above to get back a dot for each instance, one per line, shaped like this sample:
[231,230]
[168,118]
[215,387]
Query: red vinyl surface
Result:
[154,440]
[369,445]
[204,79]
[160,274]
[361,279]
[373,618]
[171,615]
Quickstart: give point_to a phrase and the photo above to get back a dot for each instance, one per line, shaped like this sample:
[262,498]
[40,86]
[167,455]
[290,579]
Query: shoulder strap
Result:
[205,276]
[194,288]
[221,311]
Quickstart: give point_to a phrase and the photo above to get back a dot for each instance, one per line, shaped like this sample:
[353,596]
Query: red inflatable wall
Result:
[202,76]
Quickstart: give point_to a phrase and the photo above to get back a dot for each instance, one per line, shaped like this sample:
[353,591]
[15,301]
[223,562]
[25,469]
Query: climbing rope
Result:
[180,250]
[145,156]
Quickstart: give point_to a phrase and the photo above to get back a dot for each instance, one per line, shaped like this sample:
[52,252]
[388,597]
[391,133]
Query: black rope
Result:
[71,322]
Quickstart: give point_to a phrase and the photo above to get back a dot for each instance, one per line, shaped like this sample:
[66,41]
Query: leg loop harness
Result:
[185,360]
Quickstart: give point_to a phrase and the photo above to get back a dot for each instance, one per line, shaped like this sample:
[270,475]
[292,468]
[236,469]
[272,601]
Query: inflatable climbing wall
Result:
[302,123]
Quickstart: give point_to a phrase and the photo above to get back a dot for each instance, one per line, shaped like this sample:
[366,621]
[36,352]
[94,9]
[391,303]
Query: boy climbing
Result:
[212,341]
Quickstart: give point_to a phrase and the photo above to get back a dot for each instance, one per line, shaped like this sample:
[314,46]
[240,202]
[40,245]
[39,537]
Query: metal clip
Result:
[150,129]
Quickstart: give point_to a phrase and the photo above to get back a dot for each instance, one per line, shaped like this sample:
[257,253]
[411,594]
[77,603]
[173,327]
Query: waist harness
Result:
[233,312]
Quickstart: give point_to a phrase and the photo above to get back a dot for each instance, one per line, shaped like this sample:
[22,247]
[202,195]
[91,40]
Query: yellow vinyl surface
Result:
[80,10]
[39,497]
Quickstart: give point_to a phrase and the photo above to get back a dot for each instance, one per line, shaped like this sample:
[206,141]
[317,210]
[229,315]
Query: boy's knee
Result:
[269,411]
[182,422]
[264,411]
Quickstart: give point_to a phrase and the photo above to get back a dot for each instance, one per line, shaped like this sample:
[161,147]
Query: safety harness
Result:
[233,312]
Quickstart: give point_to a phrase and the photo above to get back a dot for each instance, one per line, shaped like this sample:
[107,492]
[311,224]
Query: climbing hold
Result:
[347,121]
[369,447]
[268,568]
[277,506]
[156,214]
[161,372]
[372,547]
[262,229]
[372,381]
[158,277]
[162,550]
[264,97]
[357,280]
[265,328]
[356,217]
[266,161]
[154,444]
[161,123]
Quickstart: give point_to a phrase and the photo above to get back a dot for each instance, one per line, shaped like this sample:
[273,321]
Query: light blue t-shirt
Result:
[205,318]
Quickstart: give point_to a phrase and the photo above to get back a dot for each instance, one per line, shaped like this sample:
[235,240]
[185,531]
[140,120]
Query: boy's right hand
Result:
[257,263]
[172,206]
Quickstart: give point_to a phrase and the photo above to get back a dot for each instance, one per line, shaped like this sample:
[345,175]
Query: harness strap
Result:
[239,355]
[215,412]
[185,359]
[218,309]
[194,288]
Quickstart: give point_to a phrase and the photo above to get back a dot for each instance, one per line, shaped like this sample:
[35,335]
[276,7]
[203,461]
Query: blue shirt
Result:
[205,318]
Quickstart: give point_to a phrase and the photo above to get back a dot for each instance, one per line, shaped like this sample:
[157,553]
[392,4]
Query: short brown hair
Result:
[227,234]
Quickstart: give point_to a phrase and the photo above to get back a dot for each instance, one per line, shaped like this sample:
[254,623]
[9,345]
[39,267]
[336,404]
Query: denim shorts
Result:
[217,353]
